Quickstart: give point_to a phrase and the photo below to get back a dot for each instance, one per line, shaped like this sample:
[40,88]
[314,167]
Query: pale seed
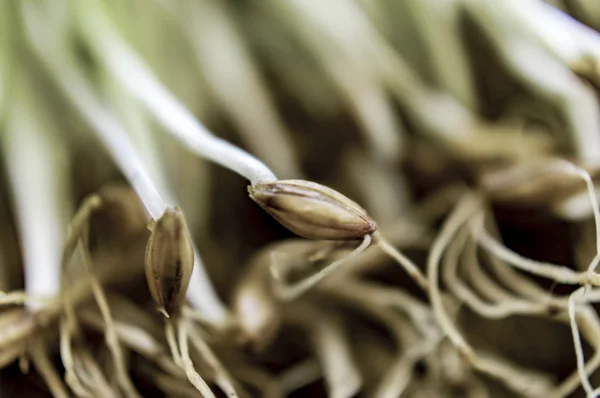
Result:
[313,211]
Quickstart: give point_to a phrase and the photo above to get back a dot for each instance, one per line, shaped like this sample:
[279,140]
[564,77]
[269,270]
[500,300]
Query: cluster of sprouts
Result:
[108,169]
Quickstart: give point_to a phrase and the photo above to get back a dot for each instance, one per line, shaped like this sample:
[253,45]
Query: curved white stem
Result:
[516,28]
[567,38]
[233,78]
[35,171]
[134,74]
[79,91]
[108,129]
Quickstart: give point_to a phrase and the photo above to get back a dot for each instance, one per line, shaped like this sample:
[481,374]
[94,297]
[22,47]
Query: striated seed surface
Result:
[312,210]
[169,261]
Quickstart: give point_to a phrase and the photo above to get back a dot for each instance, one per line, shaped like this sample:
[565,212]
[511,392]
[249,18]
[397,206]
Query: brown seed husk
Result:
[313,211]
[169,261]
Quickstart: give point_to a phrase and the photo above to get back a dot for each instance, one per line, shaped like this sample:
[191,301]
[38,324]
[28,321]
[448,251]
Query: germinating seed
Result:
[169,261]
[313,211]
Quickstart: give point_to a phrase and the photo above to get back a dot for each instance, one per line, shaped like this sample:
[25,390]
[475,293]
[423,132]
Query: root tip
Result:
[164,312]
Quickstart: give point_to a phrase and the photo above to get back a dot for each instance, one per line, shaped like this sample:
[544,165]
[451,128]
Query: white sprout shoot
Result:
[34,166]
[77,89]
[134,74]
